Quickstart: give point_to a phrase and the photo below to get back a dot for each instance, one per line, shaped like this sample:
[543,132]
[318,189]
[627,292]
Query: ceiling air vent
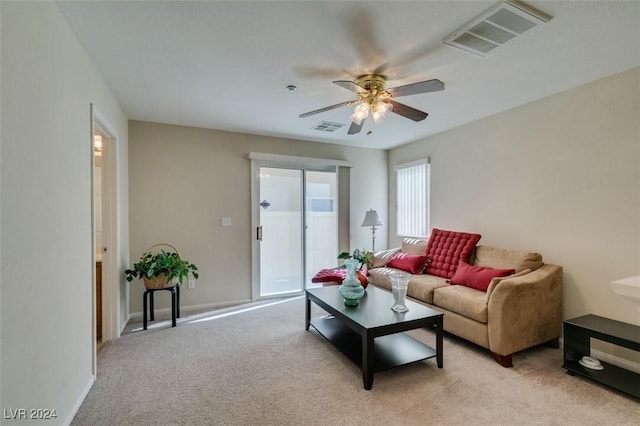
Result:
[327,126]
[496,26]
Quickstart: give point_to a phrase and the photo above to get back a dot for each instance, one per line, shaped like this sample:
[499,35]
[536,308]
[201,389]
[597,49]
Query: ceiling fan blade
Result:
[417,88]
[318,111]
[324,72]
[402,58]
[349,85]
[363,36]
[355,128]
[407,111]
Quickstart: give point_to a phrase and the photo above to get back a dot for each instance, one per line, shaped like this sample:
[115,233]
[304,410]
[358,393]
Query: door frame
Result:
[110,231]
[258,160]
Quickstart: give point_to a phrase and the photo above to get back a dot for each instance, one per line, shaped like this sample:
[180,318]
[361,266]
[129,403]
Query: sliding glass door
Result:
[321,224]
[297,231]
[280,231]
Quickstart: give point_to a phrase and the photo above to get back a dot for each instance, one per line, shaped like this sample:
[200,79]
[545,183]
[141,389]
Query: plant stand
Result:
[175,304]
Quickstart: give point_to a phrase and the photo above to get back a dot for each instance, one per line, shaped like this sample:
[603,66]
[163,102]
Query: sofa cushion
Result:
[507,259]
[380,276]
[465,301]
[408,262]
[478,277]
[420,286]
[446,248]
[381,258]
[413,246]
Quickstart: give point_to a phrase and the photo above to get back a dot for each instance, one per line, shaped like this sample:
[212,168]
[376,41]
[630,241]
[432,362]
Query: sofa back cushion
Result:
[446,248]
[414,246]
[381,258]
[493,257]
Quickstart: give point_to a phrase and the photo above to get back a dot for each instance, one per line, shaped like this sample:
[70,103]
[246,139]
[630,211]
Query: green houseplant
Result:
[163,269]
[363,257]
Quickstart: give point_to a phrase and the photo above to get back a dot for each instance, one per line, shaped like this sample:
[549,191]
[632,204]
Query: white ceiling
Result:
[226,65]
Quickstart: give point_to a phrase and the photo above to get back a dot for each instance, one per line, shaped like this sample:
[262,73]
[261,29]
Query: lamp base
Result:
[373,239]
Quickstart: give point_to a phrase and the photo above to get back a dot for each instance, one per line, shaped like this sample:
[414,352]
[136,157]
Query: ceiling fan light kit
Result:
[373,99]
[360,113]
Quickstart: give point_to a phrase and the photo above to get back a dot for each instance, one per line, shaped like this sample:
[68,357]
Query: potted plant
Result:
[363,257]
[160,270]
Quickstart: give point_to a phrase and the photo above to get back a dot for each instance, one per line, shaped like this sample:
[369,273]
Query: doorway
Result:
[106,291]
[98,142]
[296,216]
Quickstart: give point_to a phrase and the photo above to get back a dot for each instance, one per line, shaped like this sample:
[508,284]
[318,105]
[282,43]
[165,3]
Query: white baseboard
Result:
[612,359]
[83,395]
[123,326]
[191,308]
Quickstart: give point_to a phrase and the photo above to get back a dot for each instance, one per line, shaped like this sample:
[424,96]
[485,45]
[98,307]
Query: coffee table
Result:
[371,334]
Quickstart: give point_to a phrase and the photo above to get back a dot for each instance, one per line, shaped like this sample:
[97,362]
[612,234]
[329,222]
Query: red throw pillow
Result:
[446,248]
[478,277]
[408,262]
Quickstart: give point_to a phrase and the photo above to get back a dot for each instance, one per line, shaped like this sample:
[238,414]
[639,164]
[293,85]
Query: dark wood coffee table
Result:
[371,334]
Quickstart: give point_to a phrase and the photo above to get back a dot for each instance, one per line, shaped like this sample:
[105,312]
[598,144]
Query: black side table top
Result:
[617,329]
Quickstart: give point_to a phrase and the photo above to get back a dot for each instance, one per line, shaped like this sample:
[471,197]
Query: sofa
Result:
[503,300]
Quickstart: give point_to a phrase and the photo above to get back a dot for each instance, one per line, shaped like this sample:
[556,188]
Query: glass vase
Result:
[399,283]
[351,289]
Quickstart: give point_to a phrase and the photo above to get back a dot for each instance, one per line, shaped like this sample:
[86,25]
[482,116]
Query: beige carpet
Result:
[260,367]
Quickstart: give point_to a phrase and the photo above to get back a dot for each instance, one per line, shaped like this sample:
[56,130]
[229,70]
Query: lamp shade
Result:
[371,218]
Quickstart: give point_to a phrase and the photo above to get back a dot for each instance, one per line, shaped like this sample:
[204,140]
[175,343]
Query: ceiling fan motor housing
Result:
[373,84]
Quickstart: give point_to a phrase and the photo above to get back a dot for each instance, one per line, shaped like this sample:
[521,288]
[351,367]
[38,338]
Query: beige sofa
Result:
[516,312]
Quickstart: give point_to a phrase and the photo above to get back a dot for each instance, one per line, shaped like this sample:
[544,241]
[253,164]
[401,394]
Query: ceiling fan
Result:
[375,99]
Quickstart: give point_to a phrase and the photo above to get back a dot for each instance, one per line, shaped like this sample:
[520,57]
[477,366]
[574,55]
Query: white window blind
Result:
[412,198]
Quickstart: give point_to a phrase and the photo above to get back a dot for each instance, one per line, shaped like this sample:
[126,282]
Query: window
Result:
[412,198]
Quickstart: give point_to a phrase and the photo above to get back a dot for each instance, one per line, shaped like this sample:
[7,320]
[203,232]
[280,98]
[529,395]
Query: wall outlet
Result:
[192,283]
[226,221]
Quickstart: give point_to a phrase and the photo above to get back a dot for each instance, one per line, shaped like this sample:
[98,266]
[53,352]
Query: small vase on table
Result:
[351,289]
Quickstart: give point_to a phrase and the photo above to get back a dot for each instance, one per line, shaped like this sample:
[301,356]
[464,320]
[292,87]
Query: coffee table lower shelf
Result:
[390,351]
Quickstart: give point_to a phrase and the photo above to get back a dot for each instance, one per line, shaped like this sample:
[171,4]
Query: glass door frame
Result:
[286,162]
[301,190]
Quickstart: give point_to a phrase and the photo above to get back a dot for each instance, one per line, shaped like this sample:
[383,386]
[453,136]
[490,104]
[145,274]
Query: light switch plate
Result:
[226,221]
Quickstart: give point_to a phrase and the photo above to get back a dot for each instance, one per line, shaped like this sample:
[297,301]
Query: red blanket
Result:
[337,275]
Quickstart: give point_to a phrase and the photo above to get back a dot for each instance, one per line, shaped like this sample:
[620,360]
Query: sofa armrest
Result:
[525,311]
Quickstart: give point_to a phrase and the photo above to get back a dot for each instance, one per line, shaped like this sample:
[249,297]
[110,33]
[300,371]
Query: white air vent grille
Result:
[496,26]
[327,126]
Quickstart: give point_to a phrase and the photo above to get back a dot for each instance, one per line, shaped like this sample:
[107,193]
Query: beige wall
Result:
[184,180]
[48,83]
[560,176]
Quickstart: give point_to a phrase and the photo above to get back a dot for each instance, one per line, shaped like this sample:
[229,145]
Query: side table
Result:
[577,343]
[175,304]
